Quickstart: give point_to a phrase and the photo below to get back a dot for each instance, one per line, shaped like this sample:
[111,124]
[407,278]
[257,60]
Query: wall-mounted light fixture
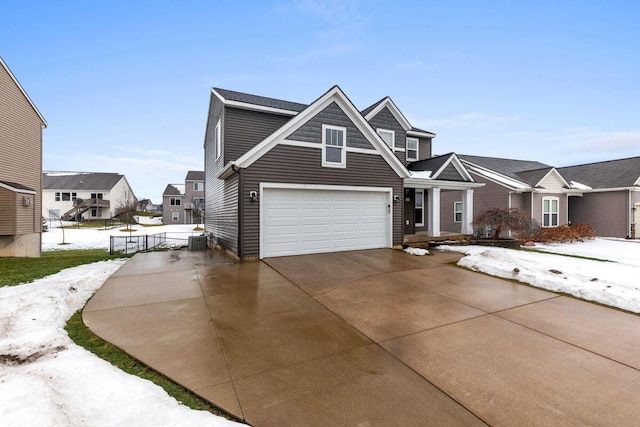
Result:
[253,195]
[396,198]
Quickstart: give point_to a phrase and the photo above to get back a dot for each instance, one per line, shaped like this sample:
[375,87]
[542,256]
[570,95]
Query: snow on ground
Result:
[615,283]
[47,380]
[98,238]
[416,251]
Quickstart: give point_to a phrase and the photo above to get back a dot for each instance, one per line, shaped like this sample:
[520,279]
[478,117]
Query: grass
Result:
[25,270]
[82,336]
[14,271]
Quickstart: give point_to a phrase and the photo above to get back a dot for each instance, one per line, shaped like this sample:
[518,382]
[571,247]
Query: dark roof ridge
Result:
[599,162]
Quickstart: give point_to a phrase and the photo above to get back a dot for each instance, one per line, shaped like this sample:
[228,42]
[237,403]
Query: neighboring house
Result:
[173,204]
[284,178]
[21,126]
[82,196]
[534,187]
[607,196]
[194,197]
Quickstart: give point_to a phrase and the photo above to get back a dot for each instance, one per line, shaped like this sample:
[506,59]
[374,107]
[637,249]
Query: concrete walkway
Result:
[371,338]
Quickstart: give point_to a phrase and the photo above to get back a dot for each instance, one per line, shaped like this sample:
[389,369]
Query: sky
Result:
[125,85]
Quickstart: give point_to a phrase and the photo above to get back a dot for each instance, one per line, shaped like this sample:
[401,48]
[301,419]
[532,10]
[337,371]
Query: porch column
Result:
[434,211]
[467,211]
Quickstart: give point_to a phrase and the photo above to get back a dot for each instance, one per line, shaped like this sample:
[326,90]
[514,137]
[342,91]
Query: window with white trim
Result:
[334,141]
[412,149]
[175,201]
[550,211]
[198,186]
[419,208]
[175,216]
[388,136]
[218,142]
[65,197]
[457,211]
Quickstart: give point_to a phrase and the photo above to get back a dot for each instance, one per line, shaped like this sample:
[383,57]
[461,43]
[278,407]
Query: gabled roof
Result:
[533,177]
[608,174]
[507,167]
[6,67]
[438,164]
[335,94]
[79,180]
[174,190]
[387,102]
[255,102]
[195,176]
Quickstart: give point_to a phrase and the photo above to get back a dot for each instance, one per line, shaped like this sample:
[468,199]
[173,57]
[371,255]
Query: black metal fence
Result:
[132,244]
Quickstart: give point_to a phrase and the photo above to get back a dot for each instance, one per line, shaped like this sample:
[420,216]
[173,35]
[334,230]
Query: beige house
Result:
[21,127]
[84,196]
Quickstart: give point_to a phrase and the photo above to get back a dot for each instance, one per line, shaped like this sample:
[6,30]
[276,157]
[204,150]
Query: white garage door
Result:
[303,221]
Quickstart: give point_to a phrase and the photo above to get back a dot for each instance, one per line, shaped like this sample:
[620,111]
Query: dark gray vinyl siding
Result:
[409,206]
[424,148]
[447,209]
[311,131]
[221,197]
[492,195]
[301,165]
[244,129]
[385,120]
[450,173]
[606,212]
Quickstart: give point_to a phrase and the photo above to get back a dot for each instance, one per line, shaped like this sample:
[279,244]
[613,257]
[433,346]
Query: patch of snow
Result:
[148,220]
[416,251]
[47,380]
[421,174]
[65,173]
[579,186]
[613,283]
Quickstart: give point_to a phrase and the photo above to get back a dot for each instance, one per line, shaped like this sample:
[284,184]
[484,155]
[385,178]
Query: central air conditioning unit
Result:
[27,201]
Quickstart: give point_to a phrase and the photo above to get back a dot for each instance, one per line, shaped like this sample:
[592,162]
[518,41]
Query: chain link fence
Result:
[132,244]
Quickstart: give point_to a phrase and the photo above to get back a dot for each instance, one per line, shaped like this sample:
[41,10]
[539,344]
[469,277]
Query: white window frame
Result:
[175,201]
[408,150]
[550,211]
[198,186]
[175,216]
[457,210]
[393,137]
[343,149]
[217,140]
[420,196]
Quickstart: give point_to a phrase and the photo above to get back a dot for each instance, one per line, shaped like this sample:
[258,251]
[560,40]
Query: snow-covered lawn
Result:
[47,380]
[92,238]
[615,283]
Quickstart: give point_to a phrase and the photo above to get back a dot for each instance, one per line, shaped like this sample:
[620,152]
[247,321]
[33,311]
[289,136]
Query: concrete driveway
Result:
[369,338]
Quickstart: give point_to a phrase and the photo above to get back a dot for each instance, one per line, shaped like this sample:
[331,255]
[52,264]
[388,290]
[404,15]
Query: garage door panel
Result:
[303,221]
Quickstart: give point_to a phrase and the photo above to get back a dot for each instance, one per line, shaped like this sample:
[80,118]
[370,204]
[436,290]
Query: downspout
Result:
[235,169]
[509,205]
[628,214]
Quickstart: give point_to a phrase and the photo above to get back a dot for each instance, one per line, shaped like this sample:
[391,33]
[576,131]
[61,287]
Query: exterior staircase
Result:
[80,206]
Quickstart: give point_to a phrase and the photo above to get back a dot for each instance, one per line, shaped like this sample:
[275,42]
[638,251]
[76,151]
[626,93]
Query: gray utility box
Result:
[197,243]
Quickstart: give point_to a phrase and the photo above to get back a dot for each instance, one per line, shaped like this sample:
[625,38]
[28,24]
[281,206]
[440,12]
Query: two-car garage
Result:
[312,219]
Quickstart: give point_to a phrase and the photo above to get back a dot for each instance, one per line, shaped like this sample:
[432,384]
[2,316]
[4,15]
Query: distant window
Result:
[388,136]
[54,213]
[198,202]
[218,142]
[175,216]
[550,216]
[97,196]
[412,149]
[96,212]
[333,146]
[419,208]
[65,197]
[174,201]
[198,186]
[457,211]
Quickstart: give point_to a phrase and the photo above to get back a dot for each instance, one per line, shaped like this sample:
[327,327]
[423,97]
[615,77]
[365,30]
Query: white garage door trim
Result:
[388,192]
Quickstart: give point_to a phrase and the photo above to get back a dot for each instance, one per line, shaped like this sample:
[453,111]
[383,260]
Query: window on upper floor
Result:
[550,211]
[412,149]
[65,197]
[217,140]
[175,201]
[198,186]
[457,211]
[334,141]
[97,196]
[388,136]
